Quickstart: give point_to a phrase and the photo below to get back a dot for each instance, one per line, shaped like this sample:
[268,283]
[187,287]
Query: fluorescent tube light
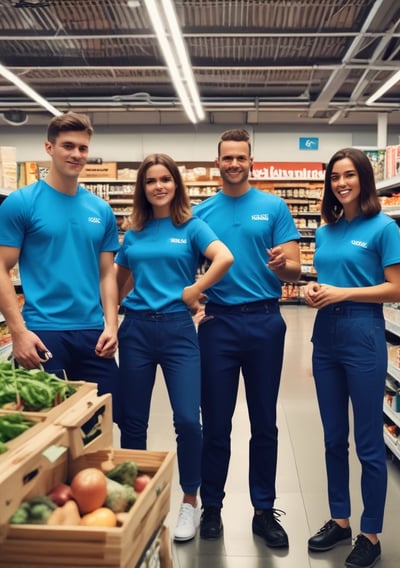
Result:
[180,47]
[385,87]
[178,63]
[335,116]
[10,76]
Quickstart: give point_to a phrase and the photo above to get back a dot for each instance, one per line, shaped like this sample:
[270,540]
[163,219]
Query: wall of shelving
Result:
[389,192]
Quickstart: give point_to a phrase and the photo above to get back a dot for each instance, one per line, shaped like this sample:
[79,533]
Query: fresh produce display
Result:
[92,499]
[141,482]
[36,511]
[125,473]
[120,498]
[11,426]
[67,515]
[32,390]
[89,489]
[60,494]
[5,335]
[101,517]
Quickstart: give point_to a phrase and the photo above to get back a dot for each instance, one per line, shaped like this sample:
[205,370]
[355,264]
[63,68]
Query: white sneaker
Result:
[188,521]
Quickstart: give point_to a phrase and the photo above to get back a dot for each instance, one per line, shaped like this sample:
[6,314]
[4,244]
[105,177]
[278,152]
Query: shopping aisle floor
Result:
[301,483]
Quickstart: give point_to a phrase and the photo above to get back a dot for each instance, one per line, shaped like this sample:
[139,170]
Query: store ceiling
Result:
[255,62]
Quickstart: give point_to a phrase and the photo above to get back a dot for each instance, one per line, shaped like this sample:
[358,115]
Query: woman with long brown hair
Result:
[158,261]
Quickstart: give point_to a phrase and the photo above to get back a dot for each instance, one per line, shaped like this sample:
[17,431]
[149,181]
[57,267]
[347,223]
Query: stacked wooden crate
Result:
[54,454]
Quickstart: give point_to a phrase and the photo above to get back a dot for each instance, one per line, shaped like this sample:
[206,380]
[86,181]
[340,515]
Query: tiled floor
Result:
[301,486]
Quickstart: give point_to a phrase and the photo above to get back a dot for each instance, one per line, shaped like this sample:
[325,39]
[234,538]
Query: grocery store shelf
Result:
[387,185]
[394,416]
[394,372]
[392,326]
[392,444]
[5,351]
[393,211]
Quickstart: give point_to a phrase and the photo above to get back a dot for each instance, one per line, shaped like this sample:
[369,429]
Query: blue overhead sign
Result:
[310,143]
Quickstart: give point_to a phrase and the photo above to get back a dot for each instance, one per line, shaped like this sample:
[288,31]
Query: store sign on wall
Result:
[287,171]
[308,143]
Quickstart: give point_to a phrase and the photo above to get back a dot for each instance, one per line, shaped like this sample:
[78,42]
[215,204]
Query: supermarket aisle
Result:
[301,488]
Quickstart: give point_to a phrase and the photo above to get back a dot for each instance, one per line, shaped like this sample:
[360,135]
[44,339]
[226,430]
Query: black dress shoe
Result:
[210,523]
[364,554]
[330,535]
[266,524]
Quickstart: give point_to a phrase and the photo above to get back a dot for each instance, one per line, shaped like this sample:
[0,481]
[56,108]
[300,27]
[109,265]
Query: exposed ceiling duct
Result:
[307,62]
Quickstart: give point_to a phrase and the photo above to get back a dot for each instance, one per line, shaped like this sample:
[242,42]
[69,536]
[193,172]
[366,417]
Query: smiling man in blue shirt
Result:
[243,331]
[64,239]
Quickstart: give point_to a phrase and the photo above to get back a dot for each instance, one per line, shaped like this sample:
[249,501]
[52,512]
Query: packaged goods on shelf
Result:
[31,172]
[128,174]
[394,355]
[106,170]
[8,168]
[8,154]
[8,175]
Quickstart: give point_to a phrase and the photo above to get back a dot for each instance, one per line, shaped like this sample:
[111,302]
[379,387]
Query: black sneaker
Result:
[329,536]
[210,523]
[364,554]
[266,523]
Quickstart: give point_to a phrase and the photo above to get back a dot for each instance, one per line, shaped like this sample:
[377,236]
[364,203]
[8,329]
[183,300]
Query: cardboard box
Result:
[8,175]
[41,546]
[8,154]
[107,170]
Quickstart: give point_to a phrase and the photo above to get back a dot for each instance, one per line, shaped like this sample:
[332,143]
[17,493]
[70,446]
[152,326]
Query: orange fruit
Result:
[102,517]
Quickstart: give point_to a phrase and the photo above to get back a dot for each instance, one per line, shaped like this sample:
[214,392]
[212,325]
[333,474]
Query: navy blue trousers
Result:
[74,352]
[247,338]
[350,363]
[148,339]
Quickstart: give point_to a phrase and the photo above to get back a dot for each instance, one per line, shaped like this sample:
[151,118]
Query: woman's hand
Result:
[192,296]
[321,295]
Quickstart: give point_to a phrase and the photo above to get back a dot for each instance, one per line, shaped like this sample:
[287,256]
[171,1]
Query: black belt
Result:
[250,307]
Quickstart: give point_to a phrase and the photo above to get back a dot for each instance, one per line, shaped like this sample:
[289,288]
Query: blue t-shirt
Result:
[355,253]
[248,225]
[60,238]
[163,259]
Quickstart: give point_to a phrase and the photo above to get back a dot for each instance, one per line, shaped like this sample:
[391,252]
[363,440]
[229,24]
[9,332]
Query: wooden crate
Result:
[27,468]
[91,413]
[38,462]
[37,546]
[52,414]
[15,444]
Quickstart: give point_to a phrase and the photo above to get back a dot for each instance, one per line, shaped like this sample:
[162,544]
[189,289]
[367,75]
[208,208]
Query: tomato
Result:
[141,482]
[102,517]
[60,494]
[89,489]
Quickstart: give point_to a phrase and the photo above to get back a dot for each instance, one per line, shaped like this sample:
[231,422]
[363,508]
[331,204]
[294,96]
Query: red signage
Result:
[287,171]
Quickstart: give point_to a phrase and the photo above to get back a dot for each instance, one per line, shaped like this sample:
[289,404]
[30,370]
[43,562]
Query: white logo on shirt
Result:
[179,241]
[362,244]
[94,219]
[260,217]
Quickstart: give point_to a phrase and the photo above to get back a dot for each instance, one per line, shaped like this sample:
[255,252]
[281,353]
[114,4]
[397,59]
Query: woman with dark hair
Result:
[156,267]
[357,260]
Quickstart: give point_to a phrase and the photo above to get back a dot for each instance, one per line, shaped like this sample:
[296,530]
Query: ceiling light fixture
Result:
[175,54]
[385,87]
[10,76]
[335,117]
[15,117]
